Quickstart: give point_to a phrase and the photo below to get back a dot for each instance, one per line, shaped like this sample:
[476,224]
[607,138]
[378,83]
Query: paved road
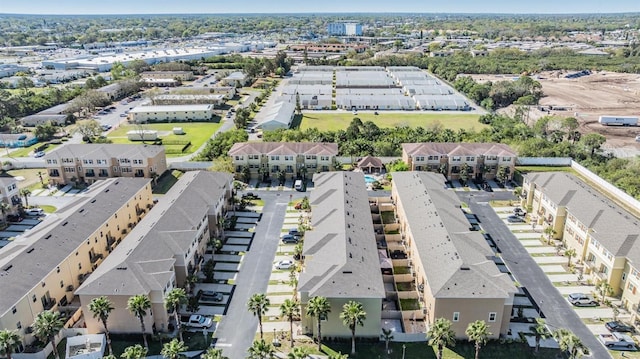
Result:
[238,328]
[558,312]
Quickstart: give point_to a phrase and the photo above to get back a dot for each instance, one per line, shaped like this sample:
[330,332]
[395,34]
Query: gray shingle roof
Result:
[341,252]
[615,228]
[458,263]
[458,149]
[284,148]
[144,260]
[59,236]
[110,150]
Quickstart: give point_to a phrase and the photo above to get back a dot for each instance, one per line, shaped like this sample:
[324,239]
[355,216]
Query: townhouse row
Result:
[481,161]
[604,235]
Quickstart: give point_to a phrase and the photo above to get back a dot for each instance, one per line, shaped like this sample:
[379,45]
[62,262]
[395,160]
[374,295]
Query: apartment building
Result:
[456,276]
[172,75]
[341,256]
[300,159]
[159,254]
[483,160]
[9,192]
[41,269]
[171,113]
[604,235]
[91,162]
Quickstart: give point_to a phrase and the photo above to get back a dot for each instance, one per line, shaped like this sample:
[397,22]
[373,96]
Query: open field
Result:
[587,98]
[337,120]
[196,132]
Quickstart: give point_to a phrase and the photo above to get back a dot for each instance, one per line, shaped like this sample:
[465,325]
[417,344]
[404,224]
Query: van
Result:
[298,185]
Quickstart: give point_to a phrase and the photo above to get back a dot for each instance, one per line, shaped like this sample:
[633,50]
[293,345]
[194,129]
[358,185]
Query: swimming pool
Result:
[369,179]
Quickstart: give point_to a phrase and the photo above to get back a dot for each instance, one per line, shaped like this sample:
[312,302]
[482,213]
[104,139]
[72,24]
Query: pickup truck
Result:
[617,339]
[196,321]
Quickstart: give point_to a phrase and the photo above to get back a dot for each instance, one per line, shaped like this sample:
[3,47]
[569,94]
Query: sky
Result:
[314,6]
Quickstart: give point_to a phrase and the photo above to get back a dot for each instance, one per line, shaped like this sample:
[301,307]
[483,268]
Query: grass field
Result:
[196,132]
[332,121]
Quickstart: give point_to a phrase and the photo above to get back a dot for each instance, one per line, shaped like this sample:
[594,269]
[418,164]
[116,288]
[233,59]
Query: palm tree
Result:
[604,289]
[261,350]
[299,353]
[478,332]
[570,253]
[291,310]
[9,340]
[213,353]
[101,307]
[319,307]
[540,332]
[257,305]
[570,343]
[134,352]
[172,349]
[387,335]
[550,232]
[46,326]
[25,192]
[441,335]
[353,315]
[174,299]
[138,306]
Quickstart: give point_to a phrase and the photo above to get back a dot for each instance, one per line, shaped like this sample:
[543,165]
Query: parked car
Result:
[285,264]
[208,295]
[197,321]
[519,212]
[617,339]
[294,232]
[619,326]
[39,154]
[582,300]
[289,239]
[515,219]
[14,218]
[250,196]
[34,212]
[123,115]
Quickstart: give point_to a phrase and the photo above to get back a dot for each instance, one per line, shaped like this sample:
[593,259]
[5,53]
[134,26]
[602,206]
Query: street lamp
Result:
[403,349]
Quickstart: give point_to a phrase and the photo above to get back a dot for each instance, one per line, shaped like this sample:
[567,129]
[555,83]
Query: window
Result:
[456,316]
[19,325]
[288,158]
[456,159]
[61,284]
[470,159]
[492,316]
[433,158]
[101,162]
[419,158]
[324,158]
[14,310]
[275,158]
[624,276]
[632,288]
[239,158]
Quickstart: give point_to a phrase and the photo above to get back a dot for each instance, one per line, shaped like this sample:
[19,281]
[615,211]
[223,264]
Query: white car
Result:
[285,264]
[34,212]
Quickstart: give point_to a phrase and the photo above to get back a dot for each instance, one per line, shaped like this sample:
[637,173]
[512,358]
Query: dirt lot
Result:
[589,97]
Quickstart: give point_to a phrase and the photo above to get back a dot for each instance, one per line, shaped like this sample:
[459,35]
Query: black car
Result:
[208,295]
[289,239]
[14,218]
[618,326]
[515,219]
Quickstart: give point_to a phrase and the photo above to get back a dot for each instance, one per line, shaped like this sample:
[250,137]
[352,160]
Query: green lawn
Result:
[166,181]
[31,177]
[196,132]
[332,121]
[26,151]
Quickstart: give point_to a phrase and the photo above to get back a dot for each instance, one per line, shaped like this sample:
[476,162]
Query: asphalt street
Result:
[236,331]
[556,309]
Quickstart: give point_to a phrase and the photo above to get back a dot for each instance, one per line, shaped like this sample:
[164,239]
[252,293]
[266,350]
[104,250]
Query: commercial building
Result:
[455,272]
[158,255]
[91,162]
[344,29]
[7,70]
[172,113]
[341,257]
[237,79]
[277,116]
[41,269]
[606,237]
[300,159]
[482,160]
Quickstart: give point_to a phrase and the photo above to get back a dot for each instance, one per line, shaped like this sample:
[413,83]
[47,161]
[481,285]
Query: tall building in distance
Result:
[344,29]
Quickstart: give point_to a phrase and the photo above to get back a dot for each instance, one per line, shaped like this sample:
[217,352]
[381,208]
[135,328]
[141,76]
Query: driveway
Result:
[236,331]
[557,311]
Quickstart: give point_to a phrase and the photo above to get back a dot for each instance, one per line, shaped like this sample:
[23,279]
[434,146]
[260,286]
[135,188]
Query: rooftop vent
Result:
[464,268]
[6,269]
[121,268]
[30,250]
[347,272]
[93,200]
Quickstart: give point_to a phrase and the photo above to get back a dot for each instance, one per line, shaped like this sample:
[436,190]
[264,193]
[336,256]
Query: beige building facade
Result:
[296,159]
[172,113]
[91,162]
[482,160]
[159,254]
[41,269]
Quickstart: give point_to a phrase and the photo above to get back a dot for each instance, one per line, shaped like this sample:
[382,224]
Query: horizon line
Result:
[326,13]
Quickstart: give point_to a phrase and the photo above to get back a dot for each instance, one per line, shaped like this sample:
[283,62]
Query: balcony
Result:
[90,174]
[48,304]
[95,258]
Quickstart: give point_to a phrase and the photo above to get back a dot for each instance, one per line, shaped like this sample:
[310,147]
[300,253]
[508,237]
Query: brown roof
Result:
[457,149]
[284,148]
[370,161]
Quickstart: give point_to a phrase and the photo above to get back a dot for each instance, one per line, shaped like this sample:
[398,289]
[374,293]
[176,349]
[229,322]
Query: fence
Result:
[190,166]
[544,161]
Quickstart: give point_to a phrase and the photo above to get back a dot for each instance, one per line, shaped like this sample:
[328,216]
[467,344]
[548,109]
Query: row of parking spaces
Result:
[274,185]
[214,298]
[17,225]
[567,276]
[487,186]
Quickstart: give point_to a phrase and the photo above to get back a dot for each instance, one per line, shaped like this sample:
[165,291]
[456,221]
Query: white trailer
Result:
[618,121]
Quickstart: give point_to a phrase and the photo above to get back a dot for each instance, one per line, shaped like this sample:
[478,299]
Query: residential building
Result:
[172,113]
[454,267]
[9,192]
[344,29]
[41,269]
[91,162]
[604,235]
[173,75]
[35,120]
[13,140]
[159,254]
[483,160]
[341,257]
[296,159]
[200,99]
